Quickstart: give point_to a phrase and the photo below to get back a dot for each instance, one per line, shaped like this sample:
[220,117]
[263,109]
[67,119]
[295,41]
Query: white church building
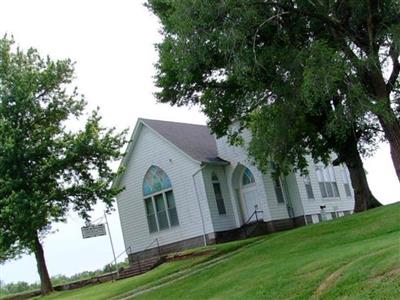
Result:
[184,188]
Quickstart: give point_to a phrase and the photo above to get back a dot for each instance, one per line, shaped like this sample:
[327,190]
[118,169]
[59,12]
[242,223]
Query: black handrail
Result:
[141,253]
[115,261]
[256,212]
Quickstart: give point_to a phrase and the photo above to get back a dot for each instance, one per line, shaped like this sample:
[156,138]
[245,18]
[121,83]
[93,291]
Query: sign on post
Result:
[93,231]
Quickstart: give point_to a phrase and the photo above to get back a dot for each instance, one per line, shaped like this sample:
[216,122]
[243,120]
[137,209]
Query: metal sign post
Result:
[112,246]
[92,230]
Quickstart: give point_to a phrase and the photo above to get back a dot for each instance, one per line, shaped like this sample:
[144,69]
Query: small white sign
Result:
[93,231]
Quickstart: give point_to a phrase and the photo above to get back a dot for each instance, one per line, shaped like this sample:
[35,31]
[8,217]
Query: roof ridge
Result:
[183,123]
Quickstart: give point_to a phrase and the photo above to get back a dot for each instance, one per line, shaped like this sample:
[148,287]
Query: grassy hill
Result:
[355,257]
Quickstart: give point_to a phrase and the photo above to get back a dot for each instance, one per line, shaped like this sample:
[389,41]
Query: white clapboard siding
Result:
[220,222]
[278,210]
[238,155]
[294,194]
[312,206]
[151,149]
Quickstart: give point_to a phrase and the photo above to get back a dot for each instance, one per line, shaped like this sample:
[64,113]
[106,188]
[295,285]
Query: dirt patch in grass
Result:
[331,279]
[334,277]
[391,274]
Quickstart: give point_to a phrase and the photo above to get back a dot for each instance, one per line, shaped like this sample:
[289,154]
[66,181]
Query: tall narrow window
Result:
[332,180]
[307,183]
[161,211]
[277,186]
[346,181]
[278,191]
[173,216]
[218,194]
[159,200]
[151,216]
[321,182]
[327,182]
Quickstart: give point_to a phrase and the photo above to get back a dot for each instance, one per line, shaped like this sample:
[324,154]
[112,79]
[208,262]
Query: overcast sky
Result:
[112,43]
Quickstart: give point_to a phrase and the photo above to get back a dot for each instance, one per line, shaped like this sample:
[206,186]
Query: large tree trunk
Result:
[45,282]
[362,194]
[391,127]
[387,118]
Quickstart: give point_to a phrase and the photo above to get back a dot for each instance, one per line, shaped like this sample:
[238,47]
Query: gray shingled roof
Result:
[195,140]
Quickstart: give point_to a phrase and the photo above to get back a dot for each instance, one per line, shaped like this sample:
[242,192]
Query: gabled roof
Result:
[195,141]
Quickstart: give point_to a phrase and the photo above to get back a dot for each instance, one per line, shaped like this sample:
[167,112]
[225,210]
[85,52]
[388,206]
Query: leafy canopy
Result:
[296,72]
[46,169]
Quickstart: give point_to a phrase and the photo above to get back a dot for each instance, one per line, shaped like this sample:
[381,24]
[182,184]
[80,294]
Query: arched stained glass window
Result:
[159,200]
[155,180]
[247,177]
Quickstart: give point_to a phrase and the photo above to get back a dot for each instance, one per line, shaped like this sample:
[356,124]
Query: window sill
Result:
[222,215]
[169,229]
[330,198]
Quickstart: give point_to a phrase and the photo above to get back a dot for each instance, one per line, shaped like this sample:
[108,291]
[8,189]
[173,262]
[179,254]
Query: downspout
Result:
[198,202]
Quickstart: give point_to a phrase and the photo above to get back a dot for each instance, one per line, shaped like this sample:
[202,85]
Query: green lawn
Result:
[161,274]
[355,257]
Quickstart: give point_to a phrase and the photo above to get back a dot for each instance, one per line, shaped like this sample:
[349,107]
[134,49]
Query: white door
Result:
[251,203]
[249,196]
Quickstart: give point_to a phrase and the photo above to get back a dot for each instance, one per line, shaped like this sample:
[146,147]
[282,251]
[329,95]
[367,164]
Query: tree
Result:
[323,120]
[246,41]
[239,59]
[46,169]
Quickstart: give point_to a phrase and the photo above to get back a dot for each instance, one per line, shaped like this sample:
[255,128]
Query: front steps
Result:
[140,267]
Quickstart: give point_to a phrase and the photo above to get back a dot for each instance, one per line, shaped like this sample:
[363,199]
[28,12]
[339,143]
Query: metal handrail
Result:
[119,255]
[142,252]
[248,220]
[149,245]
[115,261]
[254,213]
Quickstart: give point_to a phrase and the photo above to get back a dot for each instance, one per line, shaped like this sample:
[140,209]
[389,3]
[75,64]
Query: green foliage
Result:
[46,169]
[16,288]
[302,67]
[21,286]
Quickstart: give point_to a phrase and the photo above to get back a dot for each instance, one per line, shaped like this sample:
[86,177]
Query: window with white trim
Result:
[327,182]
[346,181]
[277,186]
[279,191]
[218,194]
[307,184]
[159,200]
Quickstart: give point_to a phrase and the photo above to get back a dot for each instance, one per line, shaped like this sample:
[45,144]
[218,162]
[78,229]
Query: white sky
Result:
[112,43]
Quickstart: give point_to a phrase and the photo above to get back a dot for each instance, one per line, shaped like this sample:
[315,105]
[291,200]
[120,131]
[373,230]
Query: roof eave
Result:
[216,163]
[129,149]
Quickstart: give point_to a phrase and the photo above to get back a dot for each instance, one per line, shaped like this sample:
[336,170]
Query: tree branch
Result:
[255,36]
[394,54]
[328,21]
[371,26]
